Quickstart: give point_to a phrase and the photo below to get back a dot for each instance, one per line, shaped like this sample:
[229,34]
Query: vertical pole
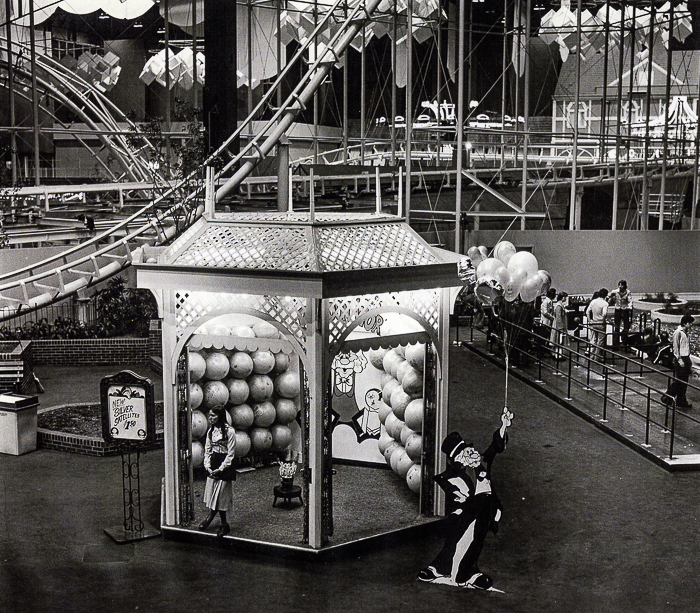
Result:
[378,191]
[363,98]
[11,93]
[316,388]
[409,106]
[168,85]
[630,99]
[504,63]
[194,61]
[290,190]
[312,197]
[604,103]
[35,97]
[170,415]
[283,170]
[468,111]
[315,48]
[518,36]
[209,193]
[574,206]
[459,127]
[249,50]
[696,142]
[438,86]
[526,112]
[399,208]
[345,99]
[618,117]
[647,137]
[667,95]
[393,86]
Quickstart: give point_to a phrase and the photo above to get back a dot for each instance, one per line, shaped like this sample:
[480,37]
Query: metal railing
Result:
[623,392]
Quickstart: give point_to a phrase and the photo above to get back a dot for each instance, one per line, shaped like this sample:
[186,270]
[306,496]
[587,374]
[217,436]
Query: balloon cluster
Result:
[401,410]
[507,274]
[258,388]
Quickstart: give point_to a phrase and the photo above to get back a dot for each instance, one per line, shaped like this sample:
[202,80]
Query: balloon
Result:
[531,288]
[504,250]
[466,271]
[488,291]
[546,281]
[475,255]
[525,260]
[484,251]
[514,286]
[488,267]
[502,275]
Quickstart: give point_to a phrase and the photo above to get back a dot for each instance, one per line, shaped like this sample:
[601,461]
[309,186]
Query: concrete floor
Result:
[589,525]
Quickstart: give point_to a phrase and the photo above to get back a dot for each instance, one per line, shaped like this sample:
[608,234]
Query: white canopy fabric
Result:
[43,9]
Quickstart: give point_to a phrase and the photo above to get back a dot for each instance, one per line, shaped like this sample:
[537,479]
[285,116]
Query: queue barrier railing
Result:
[632,382]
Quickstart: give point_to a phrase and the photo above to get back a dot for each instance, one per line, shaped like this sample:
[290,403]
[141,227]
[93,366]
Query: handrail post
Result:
[648,420]
[605,393]
[673,432]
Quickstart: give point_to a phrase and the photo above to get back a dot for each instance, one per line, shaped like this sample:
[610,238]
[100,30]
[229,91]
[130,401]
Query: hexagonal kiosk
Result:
[345,320]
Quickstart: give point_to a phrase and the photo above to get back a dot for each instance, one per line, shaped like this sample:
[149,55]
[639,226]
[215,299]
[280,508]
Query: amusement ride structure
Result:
[510,113]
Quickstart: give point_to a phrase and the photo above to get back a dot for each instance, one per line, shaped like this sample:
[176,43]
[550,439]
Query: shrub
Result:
[121,311]
[124,311]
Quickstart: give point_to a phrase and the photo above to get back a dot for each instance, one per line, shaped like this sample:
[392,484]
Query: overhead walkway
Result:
[621,395]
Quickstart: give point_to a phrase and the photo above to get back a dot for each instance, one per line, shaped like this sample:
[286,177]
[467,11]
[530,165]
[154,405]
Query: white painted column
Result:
[316,384]
[172,489]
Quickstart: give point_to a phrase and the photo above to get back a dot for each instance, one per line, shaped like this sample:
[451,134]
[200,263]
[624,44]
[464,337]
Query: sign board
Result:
[128,408]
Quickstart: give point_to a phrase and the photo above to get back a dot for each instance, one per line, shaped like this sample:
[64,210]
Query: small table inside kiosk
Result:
[286,492]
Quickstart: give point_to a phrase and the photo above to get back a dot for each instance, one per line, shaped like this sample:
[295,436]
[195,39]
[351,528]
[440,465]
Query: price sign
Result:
[128,408]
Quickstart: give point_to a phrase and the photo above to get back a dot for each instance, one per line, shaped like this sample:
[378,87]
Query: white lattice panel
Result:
[190,307]
[345,311]
[371,246]
[249,246]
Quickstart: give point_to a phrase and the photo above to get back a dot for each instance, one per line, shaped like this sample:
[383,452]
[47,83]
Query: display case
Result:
[326,336]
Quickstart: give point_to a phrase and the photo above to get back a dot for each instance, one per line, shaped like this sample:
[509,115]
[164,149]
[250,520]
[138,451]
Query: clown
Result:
[472,510]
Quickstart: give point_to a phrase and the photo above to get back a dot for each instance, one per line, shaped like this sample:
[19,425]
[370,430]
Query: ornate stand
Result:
[133,528]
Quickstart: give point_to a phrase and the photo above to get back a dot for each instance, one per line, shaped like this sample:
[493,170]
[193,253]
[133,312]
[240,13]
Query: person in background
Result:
[560,333]
[219,458]
[621,299]
[597,314]
[681,365]
[547,314]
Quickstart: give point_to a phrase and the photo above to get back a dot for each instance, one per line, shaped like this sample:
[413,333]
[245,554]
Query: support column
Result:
[172,486]
[283,186]
[316,430]
[220,98]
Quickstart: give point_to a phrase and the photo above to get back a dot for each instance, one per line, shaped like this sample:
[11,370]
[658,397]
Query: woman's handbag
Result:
[229,473]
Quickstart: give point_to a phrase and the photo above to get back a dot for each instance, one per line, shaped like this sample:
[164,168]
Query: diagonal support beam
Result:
[493,192]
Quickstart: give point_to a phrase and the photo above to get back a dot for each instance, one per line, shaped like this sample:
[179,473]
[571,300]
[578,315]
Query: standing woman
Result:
[219,457]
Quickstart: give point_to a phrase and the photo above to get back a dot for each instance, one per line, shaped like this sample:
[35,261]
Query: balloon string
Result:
[505,401]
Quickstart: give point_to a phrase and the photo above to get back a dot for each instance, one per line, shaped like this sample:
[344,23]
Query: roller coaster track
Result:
[87,264]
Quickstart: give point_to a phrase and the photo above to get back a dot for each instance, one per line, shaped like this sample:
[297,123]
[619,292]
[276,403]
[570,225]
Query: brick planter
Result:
[89,351]
[80,444]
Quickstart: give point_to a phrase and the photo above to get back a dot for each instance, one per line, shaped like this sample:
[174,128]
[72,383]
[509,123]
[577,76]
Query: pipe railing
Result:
[616,379]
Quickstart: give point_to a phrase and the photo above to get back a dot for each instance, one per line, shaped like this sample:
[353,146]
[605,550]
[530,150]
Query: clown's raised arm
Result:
[506,420]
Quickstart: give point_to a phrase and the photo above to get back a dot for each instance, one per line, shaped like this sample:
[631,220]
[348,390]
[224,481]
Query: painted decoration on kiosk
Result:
[370,395]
